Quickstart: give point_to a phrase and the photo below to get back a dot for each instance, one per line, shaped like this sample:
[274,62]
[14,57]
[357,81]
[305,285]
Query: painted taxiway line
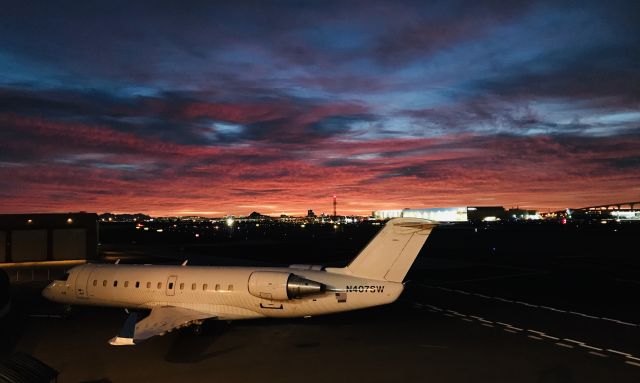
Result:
[531,305]
[619,322]
[590,347]
[540,335]
[618,352]
[584,315]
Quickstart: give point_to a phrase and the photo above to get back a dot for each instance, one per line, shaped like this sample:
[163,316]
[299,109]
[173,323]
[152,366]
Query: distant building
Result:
[48,237]
[311,214]
[447,214]
[521,214]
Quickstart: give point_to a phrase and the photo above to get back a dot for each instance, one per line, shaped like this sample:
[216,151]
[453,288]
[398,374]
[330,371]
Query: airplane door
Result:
[82,282]
[171,285]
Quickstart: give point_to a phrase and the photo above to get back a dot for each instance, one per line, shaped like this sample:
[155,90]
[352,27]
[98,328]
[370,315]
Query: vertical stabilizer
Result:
[391,252]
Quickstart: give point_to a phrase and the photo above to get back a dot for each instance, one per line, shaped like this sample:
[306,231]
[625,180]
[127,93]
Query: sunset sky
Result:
[181,108]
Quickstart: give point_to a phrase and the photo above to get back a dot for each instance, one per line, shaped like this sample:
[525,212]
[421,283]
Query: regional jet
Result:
[180,296]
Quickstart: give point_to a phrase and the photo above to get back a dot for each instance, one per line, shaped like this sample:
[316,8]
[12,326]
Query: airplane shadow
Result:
[189,347]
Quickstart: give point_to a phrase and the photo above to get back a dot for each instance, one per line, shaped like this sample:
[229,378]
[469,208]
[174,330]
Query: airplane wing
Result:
[162,319]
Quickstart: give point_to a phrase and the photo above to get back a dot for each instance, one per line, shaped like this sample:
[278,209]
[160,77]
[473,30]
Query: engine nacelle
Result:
[282,286]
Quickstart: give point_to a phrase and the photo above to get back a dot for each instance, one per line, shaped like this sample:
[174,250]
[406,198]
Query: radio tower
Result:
[335,203]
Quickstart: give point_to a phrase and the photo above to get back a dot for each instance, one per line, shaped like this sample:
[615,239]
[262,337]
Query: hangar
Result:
[48,237]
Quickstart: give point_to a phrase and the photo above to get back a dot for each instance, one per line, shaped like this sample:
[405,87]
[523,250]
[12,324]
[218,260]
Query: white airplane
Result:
[179,296]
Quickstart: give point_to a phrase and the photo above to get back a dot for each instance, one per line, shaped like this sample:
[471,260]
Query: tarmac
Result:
[572,318]
[433,333]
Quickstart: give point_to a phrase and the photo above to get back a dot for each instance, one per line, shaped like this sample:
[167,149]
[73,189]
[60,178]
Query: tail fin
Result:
[391,252]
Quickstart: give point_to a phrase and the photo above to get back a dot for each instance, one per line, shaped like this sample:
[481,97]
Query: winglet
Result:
[125,338]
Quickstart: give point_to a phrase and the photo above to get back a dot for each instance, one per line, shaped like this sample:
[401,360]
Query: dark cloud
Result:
[218,105]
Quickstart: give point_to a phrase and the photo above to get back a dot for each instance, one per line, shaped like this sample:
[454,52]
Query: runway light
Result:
[257,225]
[303,226]
[146,229]
[335,226]
[69,220]
[159,230]
[197,235]
[229,221]
[29,221]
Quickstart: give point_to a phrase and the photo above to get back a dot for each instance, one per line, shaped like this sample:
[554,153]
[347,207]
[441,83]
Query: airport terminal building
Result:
[447,214]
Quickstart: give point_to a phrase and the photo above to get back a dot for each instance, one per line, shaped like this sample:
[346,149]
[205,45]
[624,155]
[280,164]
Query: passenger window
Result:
[95,282]
[230,288]
[193,286]
[170,285]
[159,285]
[104,283]
[148,285]
[137,284]
[182,286]
[217,287]
[204,287]
[126,283]
[115,283]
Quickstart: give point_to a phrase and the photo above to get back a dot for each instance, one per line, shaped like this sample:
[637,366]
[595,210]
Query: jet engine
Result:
[282,286]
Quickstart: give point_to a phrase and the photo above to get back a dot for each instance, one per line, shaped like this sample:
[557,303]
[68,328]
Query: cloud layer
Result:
[228,108]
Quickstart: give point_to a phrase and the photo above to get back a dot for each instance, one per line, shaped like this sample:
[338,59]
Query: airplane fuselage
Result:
[223,292]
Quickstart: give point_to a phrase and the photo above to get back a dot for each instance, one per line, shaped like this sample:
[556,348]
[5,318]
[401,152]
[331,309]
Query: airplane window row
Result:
[126,284]
[194,286]
[205,287]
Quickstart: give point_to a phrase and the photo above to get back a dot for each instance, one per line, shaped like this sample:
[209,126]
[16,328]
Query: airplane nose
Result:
[47,292]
